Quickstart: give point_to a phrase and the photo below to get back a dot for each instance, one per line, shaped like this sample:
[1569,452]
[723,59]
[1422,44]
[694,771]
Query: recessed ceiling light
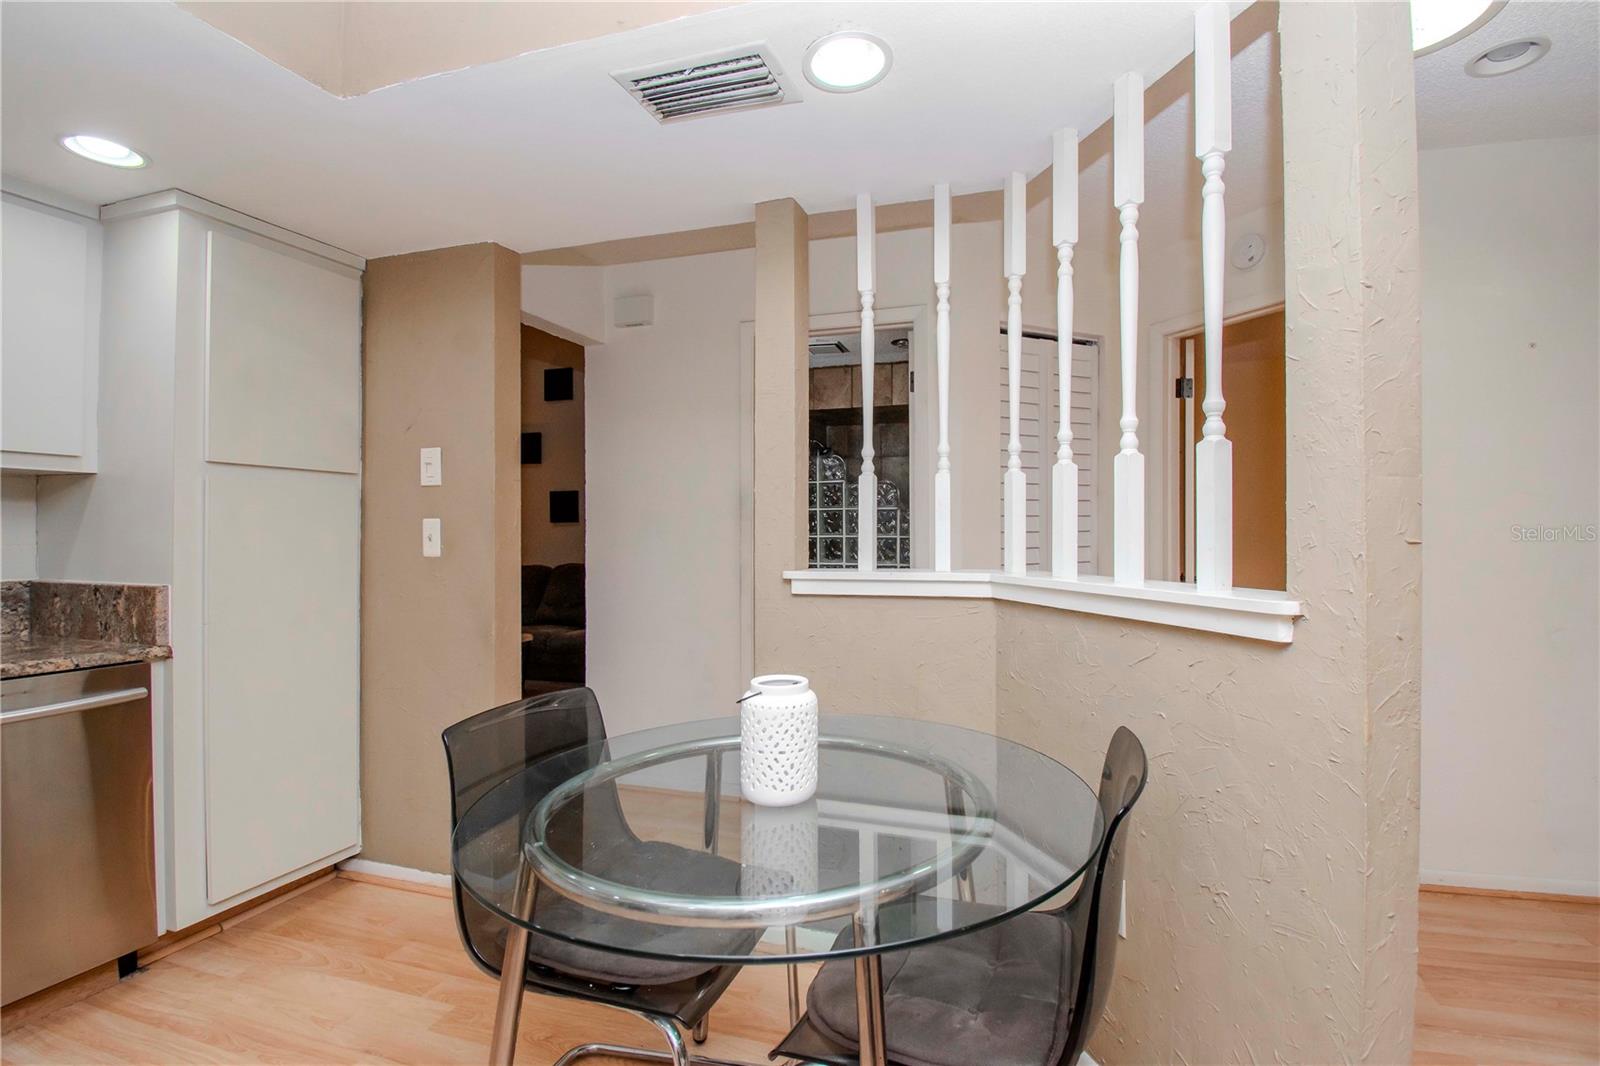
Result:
[102,150]
[1504,58]
[1436,24]
[847,62]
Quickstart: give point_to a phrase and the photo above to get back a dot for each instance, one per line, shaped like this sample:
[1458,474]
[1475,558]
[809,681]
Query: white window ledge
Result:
[1252,613]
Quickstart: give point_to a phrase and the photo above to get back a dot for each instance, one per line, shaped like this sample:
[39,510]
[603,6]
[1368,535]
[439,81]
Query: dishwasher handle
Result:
[83,703]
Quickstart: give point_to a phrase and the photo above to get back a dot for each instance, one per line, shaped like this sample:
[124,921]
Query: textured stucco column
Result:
[1272,862]
[783,309]
[1350,210]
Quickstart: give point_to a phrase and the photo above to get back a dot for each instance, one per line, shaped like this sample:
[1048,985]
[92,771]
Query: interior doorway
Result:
[1253,385]
[554,585]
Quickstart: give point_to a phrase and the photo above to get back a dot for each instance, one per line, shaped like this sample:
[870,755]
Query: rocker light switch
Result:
[430,538]
[432,466]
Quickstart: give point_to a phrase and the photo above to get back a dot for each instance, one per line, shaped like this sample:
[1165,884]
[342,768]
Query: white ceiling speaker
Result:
[629,311]
[1504,58]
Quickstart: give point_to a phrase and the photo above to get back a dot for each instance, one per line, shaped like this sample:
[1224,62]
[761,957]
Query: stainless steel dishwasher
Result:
[77,855]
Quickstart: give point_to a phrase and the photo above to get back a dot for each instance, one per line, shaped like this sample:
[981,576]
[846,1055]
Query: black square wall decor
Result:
[558,384]
[564,507]
[532,449]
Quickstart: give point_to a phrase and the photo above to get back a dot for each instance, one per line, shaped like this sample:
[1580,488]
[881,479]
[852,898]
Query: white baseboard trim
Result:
[396,873]
[1503,883]
[1085,1060]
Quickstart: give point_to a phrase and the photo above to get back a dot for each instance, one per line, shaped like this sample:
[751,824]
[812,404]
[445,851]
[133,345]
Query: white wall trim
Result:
[396,873]
[1510,883]
[174,199]
[1252,613]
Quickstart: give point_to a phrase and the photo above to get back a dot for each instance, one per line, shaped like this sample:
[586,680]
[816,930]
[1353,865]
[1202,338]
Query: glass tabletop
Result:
[642,844]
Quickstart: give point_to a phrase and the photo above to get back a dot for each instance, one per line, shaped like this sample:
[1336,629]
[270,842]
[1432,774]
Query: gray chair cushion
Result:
[534,579]
[999,997]
[562,602]
[671,869]
[553,653]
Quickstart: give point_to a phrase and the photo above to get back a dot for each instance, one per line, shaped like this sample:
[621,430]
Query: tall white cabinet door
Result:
[282,672]
[283,356]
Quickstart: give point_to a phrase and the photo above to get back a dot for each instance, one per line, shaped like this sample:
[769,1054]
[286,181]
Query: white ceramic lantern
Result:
[778,741]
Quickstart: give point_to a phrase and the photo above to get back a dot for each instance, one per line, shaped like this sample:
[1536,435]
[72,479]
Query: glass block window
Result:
[834,514]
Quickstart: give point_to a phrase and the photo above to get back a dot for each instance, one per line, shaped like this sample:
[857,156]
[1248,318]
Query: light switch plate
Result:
[433,466]
[430,538]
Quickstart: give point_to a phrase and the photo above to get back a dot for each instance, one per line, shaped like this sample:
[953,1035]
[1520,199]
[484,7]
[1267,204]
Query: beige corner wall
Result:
[1273,866]
[929,659]
[1273,869]
[560,423]
[440,637]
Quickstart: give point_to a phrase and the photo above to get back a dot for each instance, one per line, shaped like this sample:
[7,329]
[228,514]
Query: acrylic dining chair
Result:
[1027,991]
[535,744]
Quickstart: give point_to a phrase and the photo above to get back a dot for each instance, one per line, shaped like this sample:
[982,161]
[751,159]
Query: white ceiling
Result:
[1559,96]
[546,150]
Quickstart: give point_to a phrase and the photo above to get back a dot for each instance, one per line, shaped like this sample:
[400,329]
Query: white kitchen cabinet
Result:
[49,337]
[231,470]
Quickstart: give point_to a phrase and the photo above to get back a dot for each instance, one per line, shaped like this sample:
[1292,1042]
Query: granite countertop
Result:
[47,627]
[51,655]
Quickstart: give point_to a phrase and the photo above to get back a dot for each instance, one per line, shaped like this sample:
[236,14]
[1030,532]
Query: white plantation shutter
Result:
[1039,369]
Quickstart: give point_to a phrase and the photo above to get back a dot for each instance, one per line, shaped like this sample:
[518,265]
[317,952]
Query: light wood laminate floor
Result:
[357,972]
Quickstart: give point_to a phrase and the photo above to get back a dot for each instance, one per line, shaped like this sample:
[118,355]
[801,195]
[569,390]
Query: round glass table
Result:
[918,831]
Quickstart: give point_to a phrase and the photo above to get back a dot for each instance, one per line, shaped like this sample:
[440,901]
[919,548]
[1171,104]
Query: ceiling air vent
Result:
[738,79]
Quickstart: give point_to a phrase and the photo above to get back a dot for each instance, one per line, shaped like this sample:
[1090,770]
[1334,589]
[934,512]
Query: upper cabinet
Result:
[49,338]
[283,356]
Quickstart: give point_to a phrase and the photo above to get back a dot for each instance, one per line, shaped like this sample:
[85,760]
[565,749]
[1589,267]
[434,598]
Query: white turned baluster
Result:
[1016,482]
[1127,195]
[1213,456]
[941,286]
[1064,475]
[867,483]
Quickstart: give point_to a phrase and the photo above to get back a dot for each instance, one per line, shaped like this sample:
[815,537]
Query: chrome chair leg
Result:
[513,974]
[869,1000]
[702,1029]
[678,1055]
[669,1029]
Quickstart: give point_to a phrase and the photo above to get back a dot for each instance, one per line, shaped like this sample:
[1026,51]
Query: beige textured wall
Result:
[440,637]
[931,659]
[561,424]
[1272,877]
